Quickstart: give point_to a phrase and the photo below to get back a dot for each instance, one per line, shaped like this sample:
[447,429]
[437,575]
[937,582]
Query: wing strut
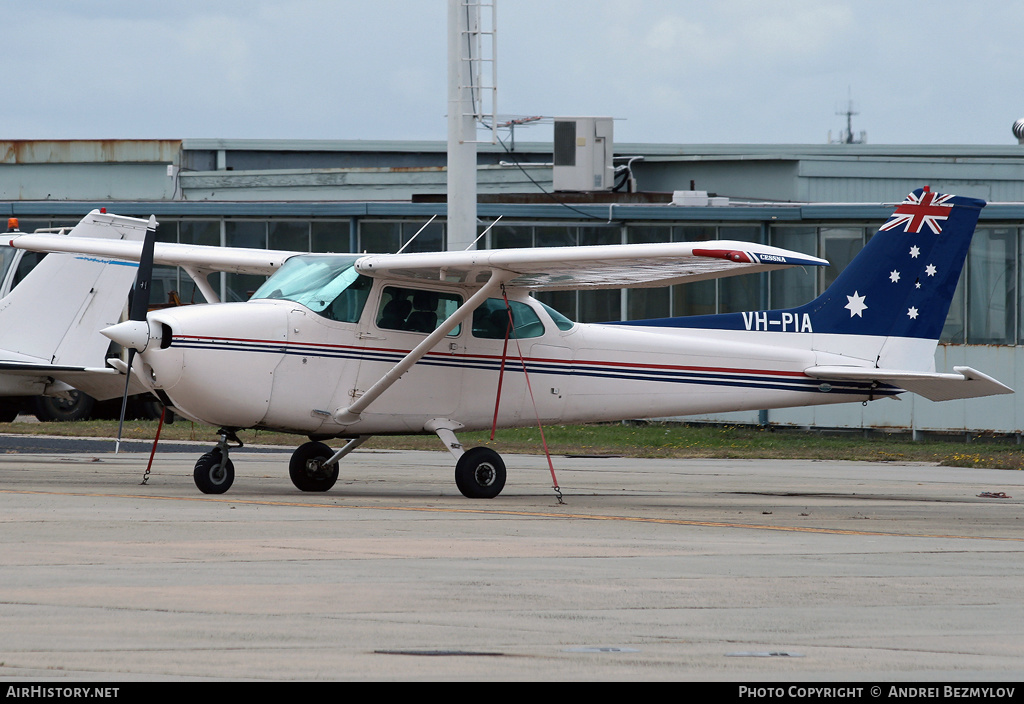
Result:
[349,415]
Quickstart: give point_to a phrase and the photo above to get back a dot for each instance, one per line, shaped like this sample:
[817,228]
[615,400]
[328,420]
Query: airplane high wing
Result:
[552,268]
[607,266]
[349,346]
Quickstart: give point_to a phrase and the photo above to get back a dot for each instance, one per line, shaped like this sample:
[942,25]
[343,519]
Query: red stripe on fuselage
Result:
[538,360]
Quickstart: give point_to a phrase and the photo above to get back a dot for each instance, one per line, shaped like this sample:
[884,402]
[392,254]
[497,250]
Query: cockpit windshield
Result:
[328,285]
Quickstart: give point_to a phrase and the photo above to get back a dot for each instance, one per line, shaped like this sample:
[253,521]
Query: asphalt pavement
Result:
[705,570]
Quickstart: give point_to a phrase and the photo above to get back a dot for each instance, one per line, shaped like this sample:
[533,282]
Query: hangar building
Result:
[372,196]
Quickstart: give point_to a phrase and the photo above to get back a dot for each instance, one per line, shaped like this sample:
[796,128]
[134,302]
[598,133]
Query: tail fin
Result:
[53,316]
[881,318]
[900,285]
[902,282]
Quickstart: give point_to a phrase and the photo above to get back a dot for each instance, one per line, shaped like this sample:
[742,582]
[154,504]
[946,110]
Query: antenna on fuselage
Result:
[416,235]
[489,228]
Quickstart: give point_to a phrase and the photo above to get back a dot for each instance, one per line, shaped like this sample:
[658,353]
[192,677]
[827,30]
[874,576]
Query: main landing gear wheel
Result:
[306,467]
[480,473]
[213,476]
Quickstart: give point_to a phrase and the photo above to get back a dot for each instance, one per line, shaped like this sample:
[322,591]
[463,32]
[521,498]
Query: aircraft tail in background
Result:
[50,322]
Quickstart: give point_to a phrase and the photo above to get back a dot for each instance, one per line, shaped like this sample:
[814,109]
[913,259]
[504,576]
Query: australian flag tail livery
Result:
[902,282]
[881,318]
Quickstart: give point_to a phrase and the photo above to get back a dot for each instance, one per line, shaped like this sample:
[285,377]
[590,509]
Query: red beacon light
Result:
[12,224]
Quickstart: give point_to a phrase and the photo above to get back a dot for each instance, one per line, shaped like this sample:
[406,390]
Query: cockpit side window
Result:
[416,310]
[348,306]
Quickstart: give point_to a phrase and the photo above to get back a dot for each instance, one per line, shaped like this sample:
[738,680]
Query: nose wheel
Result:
[214,472]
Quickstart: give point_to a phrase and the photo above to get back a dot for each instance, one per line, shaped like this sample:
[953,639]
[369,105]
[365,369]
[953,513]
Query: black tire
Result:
[208,475]
[8,412]
[306,467]
[52,408]
[480,473]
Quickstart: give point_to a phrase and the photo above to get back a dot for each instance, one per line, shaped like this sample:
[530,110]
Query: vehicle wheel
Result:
[480,473]
[8,412]
[306,467]
[210,477]
[53,408]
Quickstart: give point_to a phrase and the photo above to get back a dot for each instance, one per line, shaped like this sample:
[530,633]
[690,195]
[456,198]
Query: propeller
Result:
[136,320]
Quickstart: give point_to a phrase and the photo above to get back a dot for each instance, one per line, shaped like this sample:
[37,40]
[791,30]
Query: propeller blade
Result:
[143,279]
[138,310]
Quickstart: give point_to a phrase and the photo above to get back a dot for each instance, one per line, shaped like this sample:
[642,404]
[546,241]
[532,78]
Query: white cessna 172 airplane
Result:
[50,342]
[349,346]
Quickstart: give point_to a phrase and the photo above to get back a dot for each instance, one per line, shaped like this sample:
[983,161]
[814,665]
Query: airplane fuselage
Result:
[276,364]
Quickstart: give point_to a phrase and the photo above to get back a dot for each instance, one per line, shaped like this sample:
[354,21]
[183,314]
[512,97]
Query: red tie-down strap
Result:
[501,374]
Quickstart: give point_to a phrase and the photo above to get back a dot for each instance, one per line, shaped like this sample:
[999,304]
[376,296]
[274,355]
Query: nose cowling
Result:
[214,362]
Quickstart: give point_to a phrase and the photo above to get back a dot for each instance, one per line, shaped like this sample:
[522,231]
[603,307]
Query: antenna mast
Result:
[846,136]
[472,98]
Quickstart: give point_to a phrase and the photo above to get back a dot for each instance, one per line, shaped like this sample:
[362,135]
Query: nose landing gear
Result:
[214,472]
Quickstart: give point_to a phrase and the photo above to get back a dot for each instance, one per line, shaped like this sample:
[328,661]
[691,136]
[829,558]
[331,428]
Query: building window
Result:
[954,330]
[382,237]
[789,288]
[839,245]
[201,232]
[992,287]
[331,236]
[379,237]
[243,233]
[288,235]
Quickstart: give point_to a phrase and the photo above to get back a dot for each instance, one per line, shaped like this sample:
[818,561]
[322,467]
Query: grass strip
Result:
[628,439]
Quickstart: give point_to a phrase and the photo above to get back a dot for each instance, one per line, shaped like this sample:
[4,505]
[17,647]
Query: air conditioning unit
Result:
[583,149]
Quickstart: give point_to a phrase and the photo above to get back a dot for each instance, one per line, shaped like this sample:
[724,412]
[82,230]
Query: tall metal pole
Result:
[463,18]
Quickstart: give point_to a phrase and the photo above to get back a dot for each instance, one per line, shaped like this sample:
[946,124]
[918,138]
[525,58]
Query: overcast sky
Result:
[727,71]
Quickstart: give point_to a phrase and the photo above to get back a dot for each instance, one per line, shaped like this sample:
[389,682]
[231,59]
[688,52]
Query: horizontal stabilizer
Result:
[99,382]
[964,383]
